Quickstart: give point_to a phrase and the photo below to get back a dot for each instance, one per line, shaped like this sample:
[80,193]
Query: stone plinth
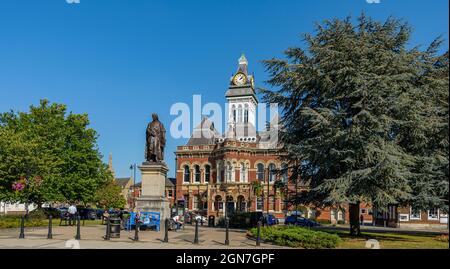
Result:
[153,182]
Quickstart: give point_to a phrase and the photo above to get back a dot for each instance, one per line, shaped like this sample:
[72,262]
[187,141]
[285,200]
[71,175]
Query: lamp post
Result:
[133,167]
[268,190]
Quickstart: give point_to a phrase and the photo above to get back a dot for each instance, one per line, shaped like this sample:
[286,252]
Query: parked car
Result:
[201,218]
[99,213]
[63,211]
[55,212]
[270,219]
[300,221]
[87,213]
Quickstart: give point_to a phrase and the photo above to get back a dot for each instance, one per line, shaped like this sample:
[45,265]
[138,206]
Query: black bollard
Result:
[136,230]
[108,230]
[258,235]
[78,236]
[227,224]
[166,231]
[196,232]
[50,234]
[22,227]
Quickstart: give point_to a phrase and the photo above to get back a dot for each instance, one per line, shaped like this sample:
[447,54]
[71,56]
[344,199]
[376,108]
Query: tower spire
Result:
[243,60]
[110,165]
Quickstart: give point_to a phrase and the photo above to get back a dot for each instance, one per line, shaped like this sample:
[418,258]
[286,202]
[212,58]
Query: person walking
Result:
[72,212]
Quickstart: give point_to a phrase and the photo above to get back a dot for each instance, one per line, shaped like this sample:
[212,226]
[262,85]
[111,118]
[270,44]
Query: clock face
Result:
[239,79]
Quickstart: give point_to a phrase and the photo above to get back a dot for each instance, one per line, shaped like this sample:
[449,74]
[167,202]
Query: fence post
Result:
[50,234]
[166,231]
[258,234]
[227,223]
[78,236]
[108,228]
[196,232]
[22,227]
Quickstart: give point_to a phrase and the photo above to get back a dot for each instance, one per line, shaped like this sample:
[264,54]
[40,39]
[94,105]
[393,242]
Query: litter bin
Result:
[211,221]
[114,226]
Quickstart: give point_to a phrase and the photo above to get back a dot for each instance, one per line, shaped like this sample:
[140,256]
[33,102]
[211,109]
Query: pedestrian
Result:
[72,212]
[120,215]
[105,216]
[137,215]
[178,223]
[361,218]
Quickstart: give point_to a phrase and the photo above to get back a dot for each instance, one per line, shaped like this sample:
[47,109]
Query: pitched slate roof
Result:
[123,181]
[204,133]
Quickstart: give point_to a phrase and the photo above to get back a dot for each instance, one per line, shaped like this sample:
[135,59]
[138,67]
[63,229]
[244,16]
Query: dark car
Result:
[270,219]
[87,213]
[55,212]
[300,221]
[99,213]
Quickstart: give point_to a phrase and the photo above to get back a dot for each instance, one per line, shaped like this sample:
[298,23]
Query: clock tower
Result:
[242,103]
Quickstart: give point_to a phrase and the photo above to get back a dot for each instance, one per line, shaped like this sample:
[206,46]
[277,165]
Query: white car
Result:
[199,218]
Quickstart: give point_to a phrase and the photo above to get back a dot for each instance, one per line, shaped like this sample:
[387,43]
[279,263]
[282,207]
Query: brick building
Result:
[135,192]
[236,170]
[242,159]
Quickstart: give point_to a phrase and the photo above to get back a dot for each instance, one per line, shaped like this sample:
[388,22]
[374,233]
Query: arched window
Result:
[272,172]
[187,174]
[219,171]
[284,173]
[229,172]
[239,113]
[243,173]
[233,113]
[197,173]
[260,171]
[241,205]
[218,204]
[207,173]
[246,113]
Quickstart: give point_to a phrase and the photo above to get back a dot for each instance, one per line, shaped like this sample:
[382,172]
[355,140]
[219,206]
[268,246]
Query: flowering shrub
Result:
[18,186]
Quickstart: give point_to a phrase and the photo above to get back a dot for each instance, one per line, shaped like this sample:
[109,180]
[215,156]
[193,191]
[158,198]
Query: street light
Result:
[133,167]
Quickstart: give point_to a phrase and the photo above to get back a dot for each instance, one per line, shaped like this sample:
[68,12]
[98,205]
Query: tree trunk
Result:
[354,219]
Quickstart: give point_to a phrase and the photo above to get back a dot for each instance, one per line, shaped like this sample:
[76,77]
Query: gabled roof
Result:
[122,181]
[204,133]
[170,182]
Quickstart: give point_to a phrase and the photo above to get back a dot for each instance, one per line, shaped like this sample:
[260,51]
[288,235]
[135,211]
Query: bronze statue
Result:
[155,140]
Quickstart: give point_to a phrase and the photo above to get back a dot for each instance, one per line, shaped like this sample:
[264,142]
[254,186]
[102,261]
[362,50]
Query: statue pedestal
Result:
[153,196]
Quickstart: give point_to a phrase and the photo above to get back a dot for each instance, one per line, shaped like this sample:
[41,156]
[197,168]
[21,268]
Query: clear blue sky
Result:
[119,60]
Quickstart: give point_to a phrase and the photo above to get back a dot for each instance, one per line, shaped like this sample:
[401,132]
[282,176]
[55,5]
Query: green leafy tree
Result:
[110,195]
[54,153]
[365,118]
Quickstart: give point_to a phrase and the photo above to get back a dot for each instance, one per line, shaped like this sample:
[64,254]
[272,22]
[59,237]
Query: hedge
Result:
[294,236]
[12,221]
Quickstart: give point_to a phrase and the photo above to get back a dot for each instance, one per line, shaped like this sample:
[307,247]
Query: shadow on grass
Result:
[391,232]
[392,236]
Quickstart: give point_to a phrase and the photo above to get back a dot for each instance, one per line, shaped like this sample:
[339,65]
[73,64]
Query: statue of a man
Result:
[155,140]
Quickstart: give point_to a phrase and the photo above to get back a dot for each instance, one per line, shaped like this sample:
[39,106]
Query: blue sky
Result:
[119,61]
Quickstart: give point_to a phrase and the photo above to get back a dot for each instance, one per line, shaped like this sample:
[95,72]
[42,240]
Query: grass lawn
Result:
[391,240]
[14,222]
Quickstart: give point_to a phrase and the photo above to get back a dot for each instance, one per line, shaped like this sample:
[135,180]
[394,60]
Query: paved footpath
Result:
[92,238]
